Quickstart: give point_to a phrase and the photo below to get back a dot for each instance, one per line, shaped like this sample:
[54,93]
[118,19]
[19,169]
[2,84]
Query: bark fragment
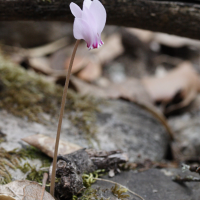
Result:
[70,168]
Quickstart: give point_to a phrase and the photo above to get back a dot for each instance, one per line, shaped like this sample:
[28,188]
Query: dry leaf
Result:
[111,49]
[16,186]
[175,41]
[40,64]
[6,197]
[25,190]
[91,72]
[163,38]
[47,144]
[183,82]
[79,63]
[85,88]
[144,35]
[131,89]
[34,191]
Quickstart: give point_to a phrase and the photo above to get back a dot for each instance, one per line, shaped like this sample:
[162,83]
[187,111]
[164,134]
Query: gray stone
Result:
[154,184]
[126,126]
[120,125]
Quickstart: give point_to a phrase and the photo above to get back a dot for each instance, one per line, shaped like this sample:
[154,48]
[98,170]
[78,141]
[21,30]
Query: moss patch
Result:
[28,95]
[120,192]
[12,159]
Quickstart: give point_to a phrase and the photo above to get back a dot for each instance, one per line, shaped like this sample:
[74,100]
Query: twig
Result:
[137,195]
[44,180]
[180,179]
[158,115]
[60,119]
[14,193]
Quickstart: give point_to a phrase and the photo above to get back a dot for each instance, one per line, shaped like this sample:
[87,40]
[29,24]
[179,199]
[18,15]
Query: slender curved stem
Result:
[53,174]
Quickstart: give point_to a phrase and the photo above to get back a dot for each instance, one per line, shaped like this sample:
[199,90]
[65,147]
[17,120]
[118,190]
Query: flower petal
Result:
[82,30]
[87,4]
[99,13]
[77,29]
[75,9]
[89,18]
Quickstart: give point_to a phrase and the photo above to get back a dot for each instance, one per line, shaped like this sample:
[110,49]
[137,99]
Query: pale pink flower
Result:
[89,22]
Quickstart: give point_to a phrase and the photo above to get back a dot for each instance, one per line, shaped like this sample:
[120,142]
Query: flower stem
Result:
[53,174]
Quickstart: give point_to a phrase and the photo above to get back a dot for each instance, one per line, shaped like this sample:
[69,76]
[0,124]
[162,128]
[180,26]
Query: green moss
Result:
[89,179]
[28,95]
[120,192]
[91,193]
[12,159]
[35,175]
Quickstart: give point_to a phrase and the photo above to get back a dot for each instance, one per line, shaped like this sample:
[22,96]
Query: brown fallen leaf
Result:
[111,49]
[175,41]
[46,144]
[25,190]
[34,191]
[131,89]
[40,64]
[182,83]
[144,35]
[91,72]
[85,88]
[163,38]
[80,62]
[6,197]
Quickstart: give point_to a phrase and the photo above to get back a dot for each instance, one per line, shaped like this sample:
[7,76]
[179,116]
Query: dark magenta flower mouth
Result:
[95,45]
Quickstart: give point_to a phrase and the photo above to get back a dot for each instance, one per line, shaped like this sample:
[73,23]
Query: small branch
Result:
[180,179]
[178,17]
[53,174]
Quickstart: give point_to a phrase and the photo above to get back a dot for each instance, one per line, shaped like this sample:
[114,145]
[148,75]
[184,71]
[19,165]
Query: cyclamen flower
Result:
[89,22]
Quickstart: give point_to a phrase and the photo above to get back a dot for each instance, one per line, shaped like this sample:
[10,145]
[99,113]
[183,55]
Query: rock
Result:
[186,145]
[126,126]
[120,125]
[153,184]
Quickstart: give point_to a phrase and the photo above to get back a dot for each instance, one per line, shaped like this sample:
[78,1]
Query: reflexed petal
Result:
[87,3]
[89,18]
[99,13]
[77,29]
[89,22]
[75,9]
[82,30]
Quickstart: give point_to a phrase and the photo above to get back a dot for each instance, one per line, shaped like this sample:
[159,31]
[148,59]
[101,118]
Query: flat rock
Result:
[153,184]
[120,125]
[126,126]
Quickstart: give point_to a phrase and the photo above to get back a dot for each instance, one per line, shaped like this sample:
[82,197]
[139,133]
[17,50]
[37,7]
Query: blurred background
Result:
[157,71]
